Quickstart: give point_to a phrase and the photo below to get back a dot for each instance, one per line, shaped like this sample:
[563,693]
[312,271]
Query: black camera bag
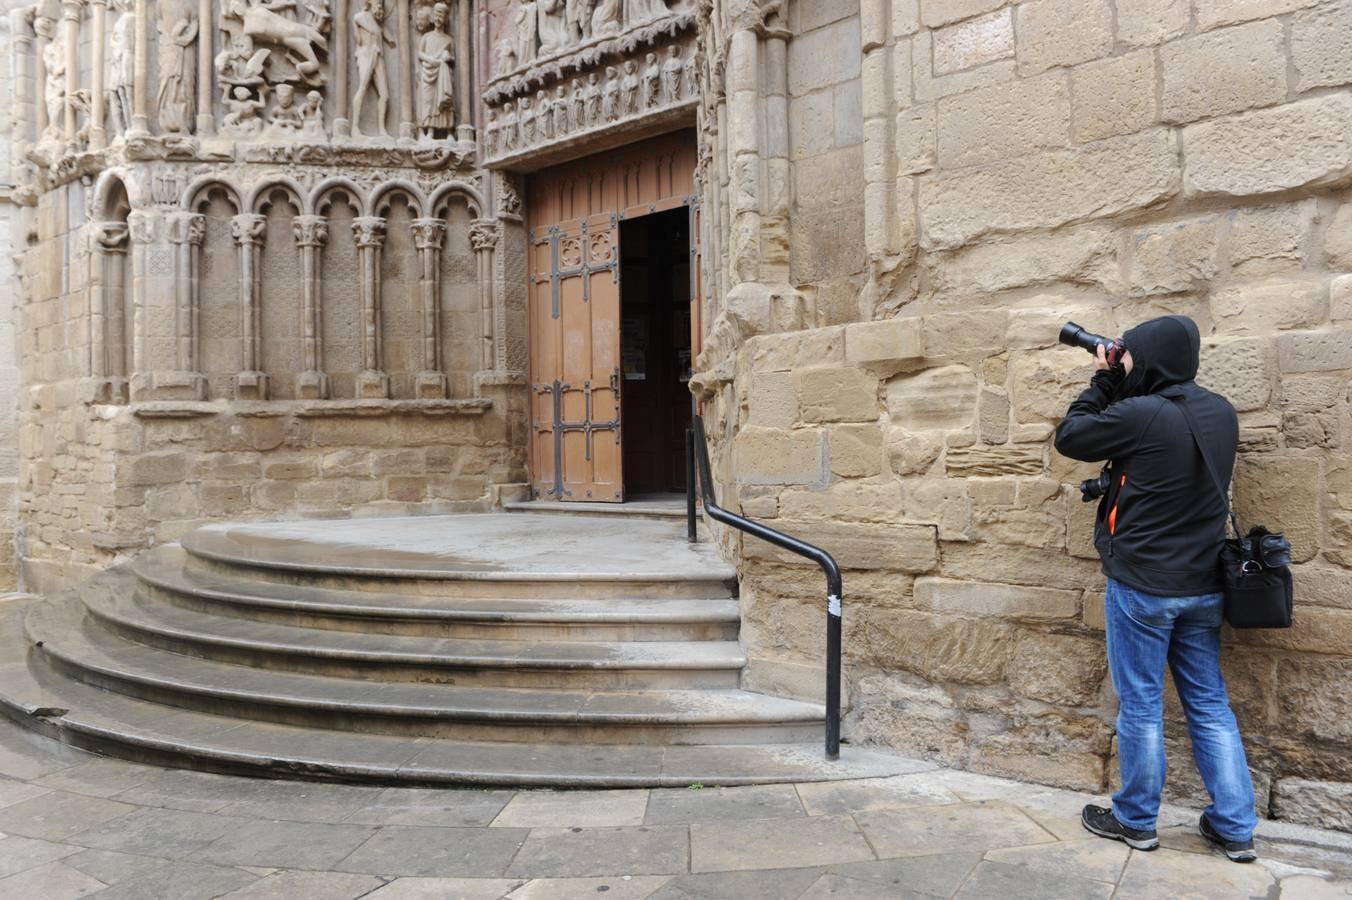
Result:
[1256,567]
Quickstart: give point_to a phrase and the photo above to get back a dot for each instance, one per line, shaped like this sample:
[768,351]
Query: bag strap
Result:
[1195,431]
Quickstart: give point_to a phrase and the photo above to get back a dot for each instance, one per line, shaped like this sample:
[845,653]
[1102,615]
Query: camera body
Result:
[1075,336]
[1093,488]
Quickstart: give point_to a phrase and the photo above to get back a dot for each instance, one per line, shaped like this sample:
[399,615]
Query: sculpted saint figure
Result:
[243,116]
[506,57]
[371,40]
[177,99]
[313,115]
[629,89]
[636,12]
[606,18]
[286,115]
[561,125]
[553,27]
[579,114]
[652,79]
[671,75]
[610,103]
[491,132]
[544,116]
[578,14]
[510,130]
[54,90]
[121,66]
[526,26]
[527,117]
[436,85]
[593,100]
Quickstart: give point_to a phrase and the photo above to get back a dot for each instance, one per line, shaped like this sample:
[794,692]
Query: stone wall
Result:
[967,175]
[10,229]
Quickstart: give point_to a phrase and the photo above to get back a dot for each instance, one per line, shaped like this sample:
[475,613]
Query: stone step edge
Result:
[141,567]
[192,543]
[72,662]
[610,510]
[702,655]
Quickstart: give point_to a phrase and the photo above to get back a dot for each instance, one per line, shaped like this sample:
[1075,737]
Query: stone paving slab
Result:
[76,825]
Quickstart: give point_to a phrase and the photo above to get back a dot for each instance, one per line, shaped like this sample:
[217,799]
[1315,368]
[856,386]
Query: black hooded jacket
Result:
[1161,526]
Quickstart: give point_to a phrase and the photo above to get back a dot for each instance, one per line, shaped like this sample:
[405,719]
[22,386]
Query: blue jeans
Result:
[1144,633]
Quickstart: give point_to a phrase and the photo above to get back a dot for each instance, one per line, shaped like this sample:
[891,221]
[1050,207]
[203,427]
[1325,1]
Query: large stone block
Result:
[1315,351]
[1005,120]
[856,450]
[1300,144]
[1322,708]
[1263,308]
[944,649]
[1114,96]
[824,56]
[1321,46]
[871,545]
[169,467]
[974,42]
[994,462]
[1215,13]
[852,501]
[911,453]
[772,399]
[1044,382]
[941,502]
[982,600]
[893,710]
[1223,72]
[1049,189]
[1338,239]
[1241,370]
[964,335]
[1038,326]
[1062,33]
[1082,256]
[1173,257]
[1317,583]
[927,86]
[933,400]
[1142,23]
[993,417]
[936,13]
[1285,494]
[837,395]
[1044,746]
[886,343]
[1060,669]
[1325,804]
[916,139]
[795,349]
[778,456]
[1270,239]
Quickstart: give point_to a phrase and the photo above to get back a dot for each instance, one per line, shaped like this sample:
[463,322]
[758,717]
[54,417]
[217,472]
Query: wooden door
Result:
[573,214]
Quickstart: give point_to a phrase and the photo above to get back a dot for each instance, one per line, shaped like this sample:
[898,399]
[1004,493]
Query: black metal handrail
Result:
[834,589]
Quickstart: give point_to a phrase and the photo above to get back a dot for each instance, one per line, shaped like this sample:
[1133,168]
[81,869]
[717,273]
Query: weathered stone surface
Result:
[852,501]
[897,548]
[1327,802]
[1223,72]
[1049,189]
[1083,256]
[993,417]
[974,42]
[1304,143]
[1173,257]
[1215,13]
[909,453]
[1317,583]
[1114,96]
[1011,564]
[1038,326]
[1048,747]
[775,456]
[884,343]
[936,13]
[772,399]
[1058,668]
[1283,493]
[1270,239]
[824,56]
[940,502]
[1004,601]
[1046,381]
[856,450]
[1322,709]
[916,139]
[1261,308]
[941,399]
[782,352]
[1338,239]
[900,711]
[1242,370]
[1004,120]
[837,395]
[1146,22]
[1321,46]
[979,461]
[1340,299]
[1062,33]
[1315,351]
[964,335]
[945,649]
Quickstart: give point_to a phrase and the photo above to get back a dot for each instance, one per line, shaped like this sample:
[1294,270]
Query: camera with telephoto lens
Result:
[1093,488]
[1073,335]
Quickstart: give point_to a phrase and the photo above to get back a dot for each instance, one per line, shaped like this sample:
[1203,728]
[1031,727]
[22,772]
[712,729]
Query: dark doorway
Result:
[655,350]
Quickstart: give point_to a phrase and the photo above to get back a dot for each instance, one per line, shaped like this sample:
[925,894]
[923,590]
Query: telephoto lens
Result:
[1074,335]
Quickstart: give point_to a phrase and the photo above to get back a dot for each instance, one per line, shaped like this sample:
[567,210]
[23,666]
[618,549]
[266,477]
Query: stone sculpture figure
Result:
[371,40]
[317,15]
[593,116]
[177,98]
[510,129]
[243,116]
[526,116]
[262,22]
[610,103]
[526,27]
[636,12]
[121,66]
[553,26]
[286,115]
[491,132]
[652,81]
[505,63]
[436,84]
[578,116]
[313,115]
[690,77]
[606,18]
[671,75]
[578,14]
[629,89]
[561,123]
[54,90]
[544,116]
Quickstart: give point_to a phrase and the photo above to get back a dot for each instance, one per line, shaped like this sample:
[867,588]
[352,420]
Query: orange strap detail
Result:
[1112,515]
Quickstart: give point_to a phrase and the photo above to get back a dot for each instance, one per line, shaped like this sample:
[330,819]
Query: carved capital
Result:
[109,237]
[188,228]
[369,231]
[248,228]
[310,231]
[70,10]
[483,234]
[428,234]
[142,226]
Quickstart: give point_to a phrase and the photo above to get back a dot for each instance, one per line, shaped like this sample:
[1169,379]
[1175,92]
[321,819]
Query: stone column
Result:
[428,237]
[483,237]
[743,147]
[70,18]
[407,54]
[142,225]
[206,32]
[464,116]
[98,135]
[107,325]
[776,200]
[372,382]
[338,53]
[248,230]
[187,231]
[21,33]
[883,183]
[140,117]
[312,232]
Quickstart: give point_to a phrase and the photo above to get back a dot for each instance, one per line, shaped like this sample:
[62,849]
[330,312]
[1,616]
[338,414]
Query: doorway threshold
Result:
[646,506]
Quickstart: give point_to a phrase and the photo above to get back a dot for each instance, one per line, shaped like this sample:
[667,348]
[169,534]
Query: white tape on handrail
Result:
[833,605]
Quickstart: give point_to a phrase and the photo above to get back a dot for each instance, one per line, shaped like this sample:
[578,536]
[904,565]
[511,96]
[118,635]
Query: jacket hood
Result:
[1164,351]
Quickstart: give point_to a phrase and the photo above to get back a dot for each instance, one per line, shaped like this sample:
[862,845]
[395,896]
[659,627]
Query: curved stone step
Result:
[570,664]
[516,555]
[163,576]
[470,713]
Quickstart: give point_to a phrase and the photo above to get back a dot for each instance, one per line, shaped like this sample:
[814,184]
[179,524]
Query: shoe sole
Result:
[1146,845]
[1239,856]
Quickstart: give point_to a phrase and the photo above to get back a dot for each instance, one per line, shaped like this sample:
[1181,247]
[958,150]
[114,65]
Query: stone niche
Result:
[593,73]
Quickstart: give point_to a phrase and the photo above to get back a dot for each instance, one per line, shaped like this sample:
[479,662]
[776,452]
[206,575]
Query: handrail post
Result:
[690,485]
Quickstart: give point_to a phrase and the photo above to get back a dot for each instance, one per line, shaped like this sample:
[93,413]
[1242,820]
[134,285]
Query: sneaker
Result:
[1239,851]
[1102,822]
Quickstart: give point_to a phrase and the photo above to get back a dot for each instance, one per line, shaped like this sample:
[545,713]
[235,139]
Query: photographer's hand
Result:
[1100,359]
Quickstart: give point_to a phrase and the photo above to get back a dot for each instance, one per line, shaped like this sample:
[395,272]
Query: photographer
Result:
[1159,532]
